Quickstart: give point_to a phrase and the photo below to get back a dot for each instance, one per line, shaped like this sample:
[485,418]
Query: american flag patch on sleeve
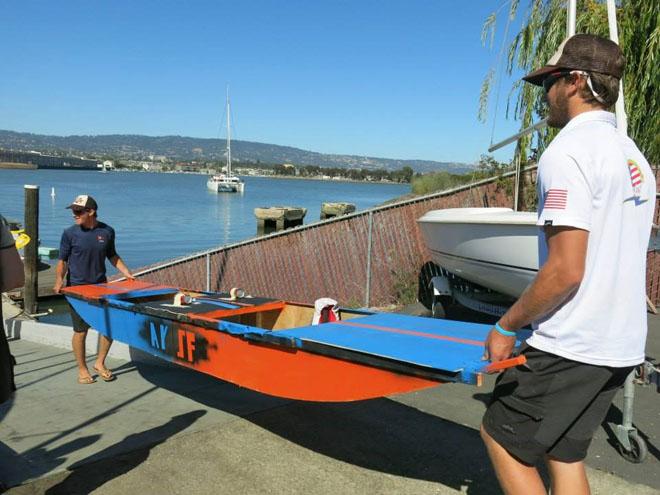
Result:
[556,199]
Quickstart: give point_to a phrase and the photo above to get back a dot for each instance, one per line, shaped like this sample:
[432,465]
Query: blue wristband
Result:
[506,333]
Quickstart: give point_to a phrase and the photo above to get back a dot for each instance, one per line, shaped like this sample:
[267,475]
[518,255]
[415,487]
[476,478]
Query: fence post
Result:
[367,296]
[208,272]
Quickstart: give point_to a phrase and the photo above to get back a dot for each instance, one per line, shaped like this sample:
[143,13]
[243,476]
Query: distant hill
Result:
[135,147]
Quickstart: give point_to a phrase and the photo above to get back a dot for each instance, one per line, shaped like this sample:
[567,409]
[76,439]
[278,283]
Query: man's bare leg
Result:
[568,477]
[104,347]
[78,344]
[514,476]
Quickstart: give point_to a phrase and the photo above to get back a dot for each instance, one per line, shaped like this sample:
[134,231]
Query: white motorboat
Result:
[496,248]
[226,182]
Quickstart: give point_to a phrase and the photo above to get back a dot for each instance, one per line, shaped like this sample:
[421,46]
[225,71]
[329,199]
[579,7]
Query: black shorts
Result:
[79,325]
[550,406]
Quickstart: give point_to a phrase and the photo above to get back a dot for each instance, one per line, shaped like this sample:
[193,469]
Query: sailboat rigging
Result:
[226,182]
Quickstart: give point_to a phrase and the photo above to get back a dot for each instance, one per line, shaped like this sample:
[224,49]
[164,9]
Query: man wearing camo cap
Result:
[587,304]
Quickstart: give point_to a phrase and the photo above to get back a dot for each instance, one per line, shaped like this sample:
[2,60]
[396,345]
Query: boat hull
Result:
[228,187]
[274,347]
[280,371]
[493,247]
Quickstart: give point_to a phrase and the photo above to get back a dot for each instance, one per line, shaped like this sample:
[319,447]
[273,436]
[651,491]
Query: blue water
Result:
[162,216]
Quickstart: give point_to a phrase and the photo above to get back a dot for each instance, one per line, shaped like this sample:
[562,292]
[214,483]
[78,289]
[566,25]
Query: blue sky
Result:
[395,79]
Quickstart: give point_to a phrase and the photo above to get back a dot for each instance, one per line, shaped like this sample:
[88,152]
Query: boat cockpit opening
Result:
[197,307]
[289,315]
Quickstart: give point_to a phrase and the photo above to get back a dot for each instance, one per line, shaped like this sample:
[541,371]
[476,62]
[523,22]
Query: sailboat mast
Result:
[620,110]
[571,16]
[228,136]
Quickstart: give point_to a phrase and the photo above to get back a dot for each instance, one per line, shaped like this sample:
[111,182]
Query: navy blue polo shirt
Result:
[85,251]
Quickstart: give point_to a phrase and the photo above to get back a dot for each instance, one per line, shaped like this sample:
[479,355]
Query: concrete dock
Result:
[276,218]
[165,429]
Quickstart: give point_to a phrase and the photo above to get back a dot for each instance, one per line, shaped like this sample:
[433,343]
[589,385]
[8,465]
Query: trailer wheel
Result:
[439,306]
[638,449]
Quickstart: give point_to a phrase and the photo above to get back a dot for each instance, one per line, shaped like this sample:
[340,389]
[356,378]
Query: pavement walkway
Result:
[168,430]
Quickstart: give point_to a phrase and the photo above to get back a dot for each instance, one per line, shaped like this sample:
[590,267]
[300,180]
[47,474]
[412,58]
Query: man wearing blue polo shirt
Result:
[83,250]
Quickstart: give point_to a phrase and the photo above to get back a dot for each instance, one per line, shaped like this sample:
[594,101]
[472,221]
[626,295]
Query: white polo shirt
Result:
[593,178]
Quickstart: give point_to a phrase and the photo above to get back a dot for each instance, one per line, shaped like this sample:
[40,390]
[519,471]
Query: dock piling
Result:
[277,218]
[31,250]
[330,210]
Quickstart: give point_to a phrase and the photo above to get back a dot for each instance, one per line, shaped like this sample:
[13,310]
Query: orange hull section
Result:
[293,373]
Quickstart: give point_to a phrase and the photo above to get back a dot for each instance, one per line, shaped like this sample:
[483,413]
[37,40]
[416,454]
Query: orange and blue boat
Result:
[271,346]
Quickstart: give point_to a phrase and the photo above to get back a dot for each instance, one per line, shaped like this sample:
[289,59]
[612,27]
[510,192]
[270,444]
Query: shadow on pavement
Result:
[380,434]
[96,470]
[389,437]
[43,457]
[5,407]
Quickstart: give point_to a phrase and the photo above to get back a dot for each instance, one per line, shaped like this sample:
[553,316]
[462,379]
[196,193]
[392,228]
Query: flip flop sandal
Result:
[106,375]
[86,380]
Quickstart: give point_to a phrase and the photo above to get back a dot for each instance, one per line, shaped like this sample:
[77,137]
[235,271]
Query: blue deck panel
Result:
[398,338]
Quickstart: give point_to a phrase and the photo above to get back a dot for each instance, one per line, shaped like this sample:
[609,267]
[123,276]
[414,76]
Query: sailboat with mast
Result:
[227,181]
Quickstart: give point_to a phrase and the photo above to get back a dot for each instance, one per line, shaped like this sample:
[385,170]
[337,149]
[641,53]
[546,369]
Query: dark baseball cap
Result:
[583,52]
[84,201]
